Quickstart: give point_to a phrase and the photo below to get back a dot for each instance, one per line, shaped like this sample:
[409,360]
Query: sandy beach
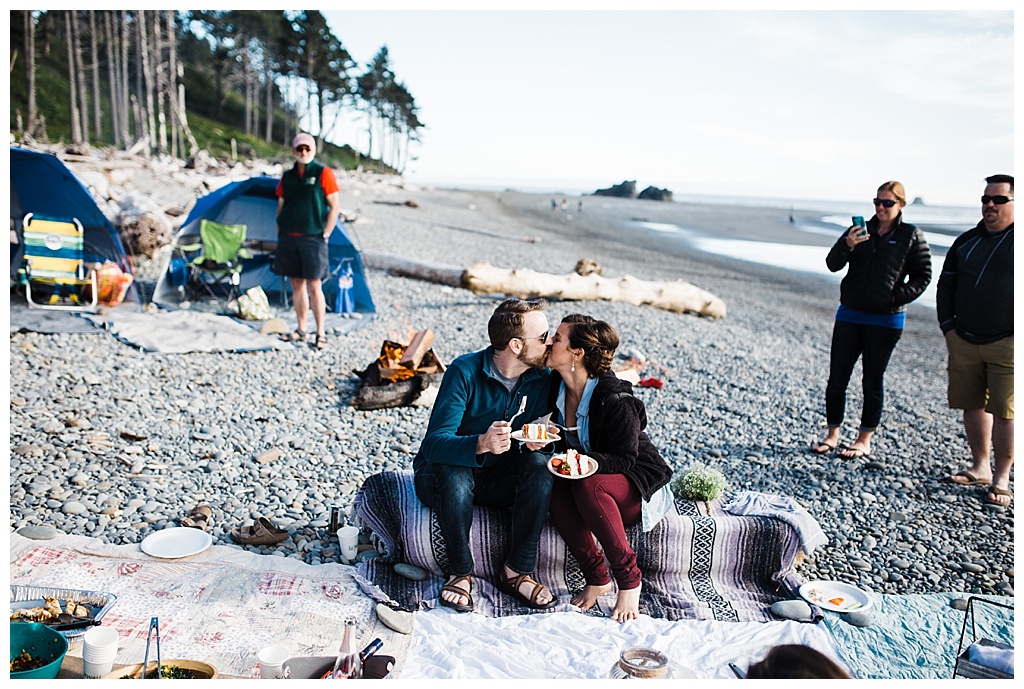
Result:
[744,394]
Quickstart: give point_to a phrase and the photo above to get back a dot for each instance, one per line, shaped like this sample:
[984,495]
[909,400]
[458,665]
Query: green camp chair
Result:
[54,270]
[217,268]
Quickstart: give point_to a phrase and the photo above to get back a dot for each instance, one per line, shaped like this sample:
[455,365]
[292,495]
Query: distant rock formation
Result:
[918,201]
[626,190]
[655,194]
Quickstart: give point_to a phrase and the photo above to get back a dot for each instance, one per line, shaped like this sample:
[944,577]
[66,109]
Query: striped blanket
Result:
[698,562]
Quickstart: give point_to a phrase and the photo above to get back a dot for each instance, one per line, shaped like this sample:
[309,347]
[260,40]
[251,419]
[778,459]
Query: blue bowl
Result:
[40,642]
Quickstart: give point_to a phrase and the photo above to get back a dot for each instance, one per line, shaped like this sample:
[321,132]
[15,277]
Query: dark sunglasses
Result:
[888,203]
[998,200]
[303,149]
[542,338]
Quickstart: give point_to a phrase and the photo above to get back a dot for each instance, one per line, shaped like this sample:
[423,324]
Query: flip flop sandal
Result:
[295,336]
[511,587]
[452,588]
[261,532]
[855,453]
[198,518]
[828,447]
[972,480]
[998,492]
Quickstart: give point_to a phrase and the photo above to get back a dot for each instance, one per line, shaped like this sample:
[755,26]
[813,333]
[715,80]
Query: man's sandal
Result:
[295,336]
[198,518]
[451,587]
[319,342]
[511,587]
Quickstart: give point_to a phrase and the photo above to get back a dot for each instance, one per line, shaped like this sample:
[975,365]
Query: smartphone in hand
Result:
[858,221]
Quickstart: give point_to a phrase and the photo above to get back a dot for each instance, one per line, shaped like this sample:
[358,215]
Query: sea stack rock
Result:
[626,190]
[655,194]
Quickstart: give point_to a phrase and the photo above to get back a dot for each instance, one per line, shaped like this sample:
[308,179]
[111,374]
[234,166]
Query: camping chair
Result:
[54,265]
[219,265]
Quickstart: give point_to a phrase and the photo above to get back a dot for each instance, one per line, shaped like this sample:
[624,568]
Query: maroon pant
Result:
[602,506]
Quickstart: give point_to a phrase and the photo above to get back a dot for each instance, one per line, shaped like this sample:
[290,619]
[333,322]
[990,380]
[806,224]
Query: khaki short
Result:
[980,376]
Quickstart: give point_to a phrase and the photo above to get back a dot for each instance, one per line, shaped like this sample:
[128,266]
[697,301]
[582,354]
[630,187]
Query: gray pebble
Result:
[958,604]
[365,555]
[859,619]
[410,571]
[398,620]
[791,609]
[43,532]
[972,567]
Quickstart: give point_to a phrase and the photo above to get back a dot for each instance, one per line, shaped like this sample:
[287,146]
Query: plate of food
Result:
[835,596]
[175,542]
[535,433]
[572,465]
[72,612]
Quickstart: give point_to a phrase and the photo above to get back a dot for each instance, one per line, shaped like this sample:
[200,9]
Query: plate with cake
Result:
[572,465]
[535,433]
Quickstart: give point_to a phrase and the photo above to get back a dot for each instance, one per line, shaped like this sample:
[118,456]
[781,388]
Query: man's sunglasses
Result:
[888,203]
[542,338]
[303,149]
[998,200]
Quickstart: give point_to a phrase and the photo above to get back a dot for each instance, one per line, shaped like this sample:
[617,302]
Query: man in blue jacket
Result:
[468,457]
[974,300]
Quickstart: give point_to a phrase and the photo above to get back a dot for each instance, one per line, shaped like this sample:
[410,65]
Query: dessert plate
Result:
[518,435]
[175,542]
[835,596]
[589,462]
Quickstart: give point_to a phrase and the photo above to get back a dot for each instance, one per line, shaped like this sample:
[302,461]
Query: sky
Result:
[794,104]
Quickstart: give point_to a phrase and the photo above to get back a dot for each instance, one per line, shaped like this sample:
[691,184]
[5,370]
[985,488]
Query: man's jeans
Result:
[873,345]
[520,482]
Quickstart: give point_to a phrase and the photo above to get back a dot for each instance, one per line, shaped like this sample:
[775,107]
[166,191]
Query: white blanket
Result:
[450,645]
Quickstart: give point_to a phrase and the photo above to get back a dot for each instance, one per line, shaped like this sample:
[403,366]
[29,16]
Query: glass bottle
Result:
[351,667]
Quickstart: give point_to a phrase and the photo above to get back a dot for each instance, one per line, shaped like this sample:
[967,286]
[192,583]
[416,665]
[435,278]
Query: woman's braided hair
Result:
[597,339]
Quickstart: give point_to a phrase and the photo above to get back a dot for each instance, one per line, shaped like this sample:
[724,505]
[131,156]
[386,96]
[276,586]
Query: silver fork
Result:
[522,408]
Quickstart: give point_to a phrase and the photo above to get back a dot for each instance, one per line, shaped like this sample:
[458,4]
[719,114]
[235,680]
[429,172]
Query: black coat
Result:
[617,438]
[886,273]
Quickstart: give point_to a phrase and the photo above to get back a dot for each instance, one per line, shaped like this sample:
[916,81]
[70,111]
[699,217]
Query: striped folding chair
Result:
[55,272]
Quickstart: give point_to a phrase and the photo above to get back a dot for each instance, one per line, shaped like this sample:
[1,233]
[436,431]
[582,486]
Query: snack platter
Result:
[98,603]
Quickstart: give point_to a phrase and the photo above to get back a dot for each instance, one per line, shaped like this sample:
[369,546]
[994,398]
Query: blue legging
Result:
[873,344]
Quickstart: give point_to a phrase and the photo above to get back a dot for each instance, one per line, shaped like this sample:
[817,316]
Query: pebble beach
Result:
[110,442]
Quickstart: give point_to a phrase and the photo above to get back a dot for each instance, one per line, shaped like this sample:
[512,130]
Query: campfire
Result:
[401,375]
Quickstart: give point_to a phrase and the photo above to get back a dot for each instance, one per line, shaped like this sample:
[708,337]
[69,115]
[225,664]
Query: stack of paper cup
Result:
[99,651]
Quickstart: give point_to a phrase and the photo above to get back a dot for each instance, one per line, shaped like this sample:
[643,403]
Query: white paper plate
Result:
[518,435]
[590,461]
[822,593]
[177,541]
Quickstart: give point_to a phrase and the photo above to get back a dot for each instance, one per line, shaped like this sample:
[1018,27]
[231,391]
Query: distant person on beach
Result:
[796,661]
[554,204]
[308,207]
[974,302]
[468,458]
[602,419]
[890,265]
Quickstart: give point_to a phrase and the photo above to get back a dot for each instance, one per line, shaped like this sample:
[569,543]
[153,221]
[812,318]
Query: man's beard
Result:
[534,362]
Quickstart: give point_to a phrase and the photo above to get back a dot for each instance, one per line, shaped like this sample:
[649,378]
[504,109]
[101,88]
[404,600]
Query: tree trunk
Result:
[96,111]
[269,77]
[83,97]
[76,122]
[160,74]
[30,70]
[146,50]
[112,75]
[125,100]
[177,140]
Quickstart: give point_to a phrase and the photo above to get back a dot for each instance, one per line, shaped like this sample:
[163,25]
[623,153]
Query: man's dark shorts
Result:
[301,257]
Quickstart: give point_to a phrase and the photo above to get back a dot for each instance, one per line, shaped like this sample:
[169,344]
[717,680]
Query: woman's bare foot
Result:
[627,605]
[589,596]
[461,583]
[830,442]
[861,447]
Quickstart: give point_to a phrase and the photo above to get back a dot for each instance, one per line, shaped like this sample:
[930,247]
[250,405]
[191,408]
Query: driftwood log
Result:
[420,390]
[483,278]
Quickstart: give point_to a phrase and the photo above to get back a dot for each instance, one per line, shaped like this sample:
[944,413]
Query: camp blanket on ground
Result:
[220,606]
[178,332]
[698,563]
[915,637]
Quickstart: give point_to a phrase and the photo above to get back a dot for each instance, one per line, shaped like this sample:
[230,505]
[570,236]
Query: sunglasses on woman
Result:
[998,200]
[888,203]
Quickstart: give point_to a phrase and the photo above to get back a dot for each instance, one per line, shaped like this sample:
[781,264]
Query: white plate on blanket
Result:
[846,597]
[590,462]
[518,435]
[175,542]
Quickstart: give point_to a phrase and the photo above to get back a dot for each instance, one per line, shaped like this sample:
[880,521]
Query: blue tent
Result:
[252,202]
[42,184]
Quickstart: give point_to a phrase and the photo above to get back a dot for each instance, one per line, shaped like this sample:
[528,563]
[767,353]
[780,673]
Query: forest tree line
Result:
[134,76]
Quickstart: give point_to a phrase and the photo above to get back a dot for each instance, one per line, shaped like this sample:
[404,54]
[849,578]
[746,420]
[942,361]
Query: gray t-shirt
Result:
[509,383]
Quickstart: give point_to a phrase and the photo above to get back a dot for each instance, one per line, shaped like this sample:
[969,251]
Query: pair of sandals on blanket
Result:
[510,585]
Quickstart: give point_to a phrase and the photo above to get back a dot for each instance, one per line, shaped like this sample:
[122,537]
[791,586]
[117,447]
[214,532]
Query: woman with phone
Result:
[889,266]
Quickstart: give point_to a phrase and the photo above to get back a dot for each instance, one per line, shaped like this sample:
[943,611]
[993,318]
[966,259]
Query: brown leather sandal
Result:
[198,518]
[262,532]
[451,587]
[511,587]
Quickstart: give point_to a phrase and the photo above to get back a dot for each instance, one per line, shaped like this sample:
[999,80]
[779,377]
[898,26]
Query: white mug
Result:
[271,659]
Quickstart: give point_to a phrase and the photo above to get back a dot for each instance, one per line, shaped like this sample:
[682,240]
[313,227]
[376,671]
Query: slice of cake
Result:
[535,431]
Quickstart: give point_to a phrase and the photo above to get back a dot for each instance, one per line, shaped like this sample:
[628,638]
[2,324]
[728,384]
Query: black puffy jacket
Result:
[886,273]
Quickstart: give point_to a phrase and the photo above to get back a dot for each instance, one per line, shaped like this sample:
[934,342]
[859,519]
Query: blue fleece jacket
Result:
[469,400]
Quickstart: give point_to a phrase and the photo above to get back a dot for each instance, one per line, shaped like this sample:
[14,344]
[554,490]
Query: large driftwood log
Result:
[679,296]
[483,278]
